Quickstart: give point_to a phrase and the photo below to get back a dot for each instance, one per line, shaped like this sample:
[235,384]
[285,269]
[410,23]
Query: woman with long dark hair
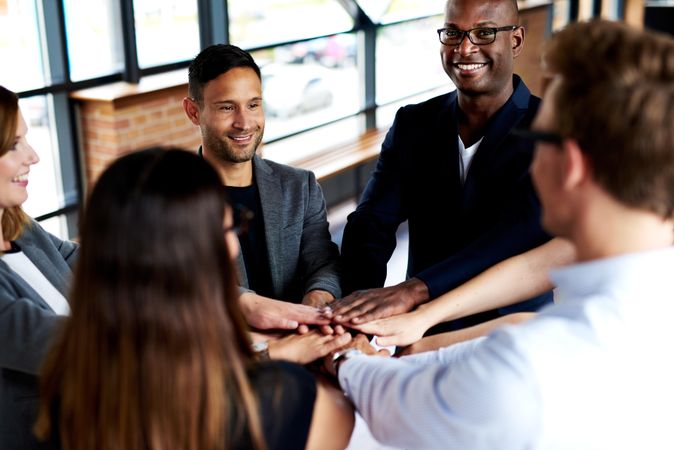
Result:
[35,267]
[156,353]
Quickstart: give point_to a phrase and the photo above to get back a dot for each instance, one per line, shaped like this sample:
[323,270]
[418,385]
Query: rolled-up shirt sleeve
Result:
[478,396]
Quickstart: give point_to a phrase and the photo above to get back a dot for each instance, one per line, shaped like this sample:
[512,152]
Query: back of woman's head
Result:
[13,219]
[154,225]
[155,352]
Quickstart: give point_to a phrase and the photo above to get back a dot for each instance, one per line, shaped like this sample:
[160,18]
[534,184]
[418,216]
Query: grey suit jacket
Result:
[302,256]
[26,327]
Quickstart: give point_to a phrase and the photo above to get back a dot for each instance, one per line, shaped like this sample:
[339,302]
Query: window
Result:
[327,72]
[396,10]
[45,193]
[258,23]
[408,59]
[308,83]
[94,46]
[20,43]
[294,148]
[166,31]
[57,226]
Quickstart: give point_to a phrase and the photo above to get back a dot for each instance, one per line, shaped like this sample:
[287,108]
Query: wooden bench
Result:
[341,158]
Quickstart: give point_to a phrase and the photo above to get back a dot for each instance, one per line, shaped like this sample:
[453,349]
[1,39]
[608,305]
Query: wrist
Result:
[318,298]
[417,290]
[433,313]
[339,358]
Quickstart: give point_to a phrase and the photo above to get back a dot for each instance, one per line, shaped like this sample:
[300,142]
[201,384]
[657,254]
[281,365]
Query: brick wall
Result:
[111,128]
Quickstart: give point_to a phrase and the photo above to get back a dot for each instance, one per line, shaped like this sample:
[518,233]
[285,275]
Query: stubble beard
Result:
[224,151]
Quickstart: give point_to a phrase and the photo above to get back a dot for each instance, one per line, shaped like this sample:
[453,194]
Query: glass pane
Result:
[94,39]
[264,22]
[56,226]
[560,13]
[167,31]
[389,11]
[20,44]
[411,51]
[45,193]
[292,149]
[308,83]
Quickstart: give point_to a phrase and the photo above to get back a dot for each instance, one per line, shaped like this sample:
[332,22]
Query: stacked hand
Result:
[365,306]
[359,342]
[305,348]
[321,300]
[273,319]
[268,314]
[365,311]
[400,330]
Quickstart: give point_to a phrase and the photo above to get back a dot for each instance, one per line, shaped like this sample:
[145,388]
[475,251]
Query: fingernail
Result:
[340,317]
[356,320]
[293,324]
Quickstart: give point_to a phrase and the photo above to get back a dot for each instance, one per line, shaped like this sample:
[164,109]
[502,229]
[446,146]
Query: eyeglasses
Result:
[478,36]
[533,136]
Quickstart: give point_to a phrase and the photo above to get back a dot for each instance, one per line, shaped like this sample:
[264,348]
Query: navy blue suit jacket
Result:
[456,230]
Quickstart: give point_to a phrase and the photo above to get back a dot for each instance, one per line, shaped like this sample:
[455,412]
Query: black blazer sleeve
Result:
[370,233]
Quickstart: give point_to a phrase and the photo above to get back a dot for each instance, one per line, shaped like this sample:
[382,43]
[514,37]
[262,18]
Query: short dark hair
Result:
[212,62]
[616,98]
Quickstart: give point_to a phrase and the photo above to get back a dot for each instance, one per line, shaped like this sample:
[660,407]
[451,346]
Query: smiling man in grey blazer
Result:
[286,250]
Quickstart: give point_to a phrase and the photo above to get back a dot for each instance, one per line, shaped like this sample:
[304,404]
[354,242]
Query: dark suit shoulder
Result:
[432,104]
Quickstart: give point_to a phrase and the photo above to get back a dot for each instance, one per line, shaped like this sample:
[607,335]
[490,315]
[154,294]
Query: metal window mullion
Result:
[131,65]
[367,47]
[57,64]
[573,10]
[213,22]
[56,55]
[69,155]
[352,8]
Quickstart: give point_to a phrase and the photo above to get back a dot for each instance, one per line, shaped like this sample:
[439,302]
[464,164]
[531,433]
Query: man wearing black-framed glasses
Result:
[450,168]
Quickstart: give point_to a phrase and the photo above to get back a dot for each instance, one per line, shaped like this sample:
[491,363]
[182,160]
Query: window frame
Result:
[213,21]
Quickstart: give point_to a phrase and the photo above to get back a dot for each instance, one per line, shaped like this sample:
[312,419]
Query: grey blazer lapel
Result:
[271,200]
[42,262]
[241,268]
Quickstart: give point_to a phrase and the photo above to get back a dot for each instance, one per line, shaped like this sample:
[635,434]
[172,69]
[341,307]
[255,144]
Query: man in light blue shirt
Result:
[594,371]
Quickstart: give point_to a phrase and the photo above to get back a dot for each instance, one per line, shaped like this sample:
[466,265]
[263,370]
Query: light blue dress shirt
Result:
[595,371]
